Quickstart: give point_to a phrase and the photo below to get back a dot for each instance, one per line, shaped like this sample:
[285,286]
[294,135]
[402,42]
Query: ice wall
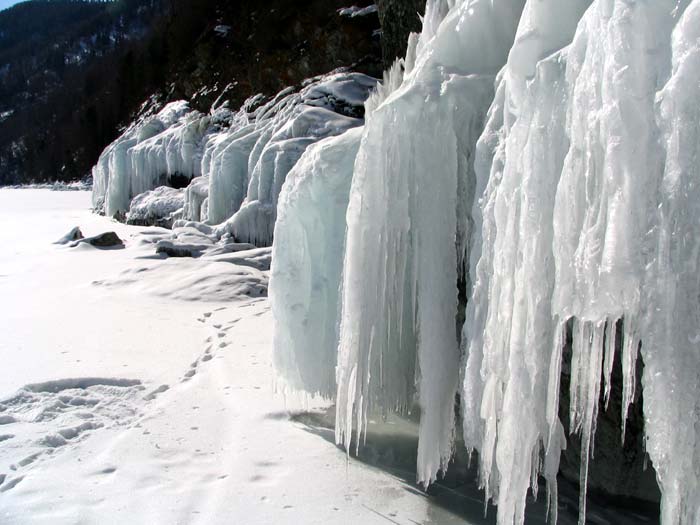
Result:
[571,166]
[670,314]
[307,263]
[244,157]
[577,209]
[407,210]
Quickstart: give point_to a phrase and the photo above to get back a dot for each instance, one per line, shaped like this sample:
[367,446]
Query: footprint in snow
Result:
[154,393]
[4,487]
[44,417]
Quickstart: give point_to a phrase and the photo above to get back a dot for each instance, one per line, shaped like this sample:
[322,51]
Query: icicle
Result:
[630,350]
[245,156]
[610,342]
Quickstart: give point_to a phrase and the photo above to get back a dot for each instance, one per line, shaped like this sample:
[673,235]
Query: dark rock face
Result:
[398,19]
[617,470]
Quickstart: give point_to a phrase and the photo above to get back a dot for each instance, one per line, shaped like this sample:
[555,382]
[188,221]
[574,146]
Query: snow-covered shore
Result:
[127,406]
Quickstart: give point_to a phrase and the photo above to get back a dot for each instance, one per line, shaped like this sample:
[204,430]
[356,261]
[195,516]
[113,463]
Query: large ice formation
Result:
[570,210]
[237,162]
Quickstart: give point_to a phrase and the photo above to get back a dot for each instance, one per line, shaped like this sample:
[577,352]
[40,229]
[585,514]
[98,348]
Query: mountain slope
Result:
[74,72]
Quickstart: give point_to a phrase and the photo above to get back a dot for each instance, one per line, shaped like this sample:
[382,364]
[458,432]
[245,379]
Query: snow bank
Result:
[82,185]
[577,209]
[238,162]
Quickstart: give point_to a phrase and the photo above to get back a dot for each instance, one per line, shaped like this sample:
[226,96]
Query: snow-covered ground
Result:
[125,403]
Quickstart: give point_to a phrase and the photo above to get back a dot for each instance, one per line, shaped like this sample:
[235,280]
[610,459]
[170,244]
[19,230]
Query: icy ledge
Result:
[571,206]
[235,163]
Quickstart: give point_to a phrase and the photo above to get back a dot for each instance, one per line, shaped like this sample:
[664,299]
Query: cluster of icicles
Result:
[548,153]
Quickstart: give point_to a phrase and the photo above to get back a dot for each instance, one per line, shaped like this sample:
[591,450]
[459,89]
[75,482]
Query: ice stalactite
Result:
[607,195]
[412,176]
[510,382]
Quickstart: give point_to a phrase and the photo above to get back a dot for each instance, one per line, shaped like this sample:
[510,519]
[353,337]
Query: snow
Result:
[222,30]
[121,403]
[354,11]
[83,185]
[565,199]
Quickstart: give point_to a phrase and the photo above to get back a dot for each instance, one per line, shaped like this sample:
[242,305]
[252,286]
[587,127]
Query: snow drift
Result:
[571,209]
[236,162]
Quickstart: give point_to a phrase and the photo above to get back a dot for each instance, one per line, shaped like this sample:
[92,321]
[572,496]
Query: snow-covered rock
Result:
[354,11]
[185,241]
[155,207]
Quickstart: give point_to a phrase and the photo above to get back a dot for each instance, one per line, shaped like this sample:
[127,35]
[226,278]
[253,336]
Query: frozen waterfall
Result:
[546,152]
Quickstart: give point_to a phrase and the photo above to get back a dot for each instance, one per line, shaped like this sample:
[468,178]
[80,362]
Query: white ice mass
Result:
[548,150]
[540,154]
[237,162]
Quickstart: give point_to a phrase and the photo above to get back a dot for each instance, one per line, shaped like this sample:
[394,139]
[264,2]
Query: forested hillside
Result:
[73,72]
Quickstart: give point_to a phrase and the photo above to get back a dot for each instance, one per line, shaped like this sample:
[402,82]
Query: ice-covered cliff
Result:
[545,153]
[235,163]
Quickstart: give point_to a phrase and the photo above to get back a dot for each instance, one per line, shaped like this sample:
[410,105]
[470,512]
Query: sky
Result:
[4,4]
